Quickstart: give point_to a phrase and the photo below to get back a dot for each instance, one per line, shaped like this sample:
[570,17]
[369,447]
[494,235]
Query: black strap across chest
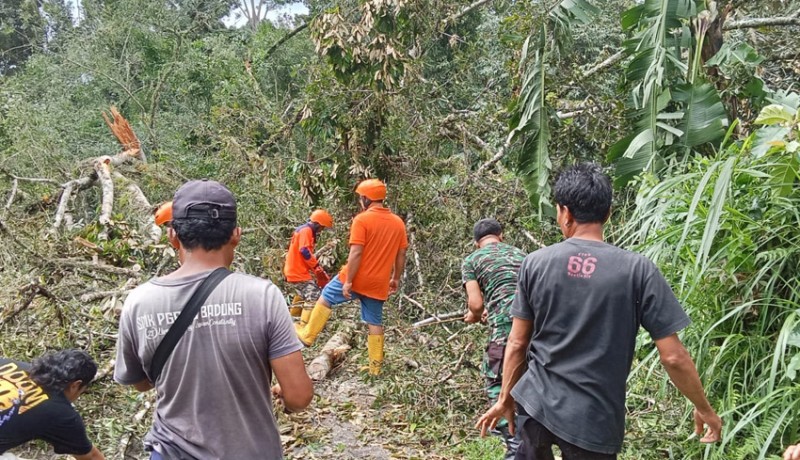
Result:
[185,318]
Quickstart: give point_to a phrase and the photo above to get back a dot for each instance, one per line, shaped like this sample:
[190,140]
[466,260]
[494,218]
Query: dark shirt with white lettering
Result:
[28,412]
[587,300]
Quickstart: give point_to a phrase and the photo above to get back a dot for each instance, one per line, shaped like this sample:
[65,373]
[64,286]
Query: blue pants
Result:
[371,309]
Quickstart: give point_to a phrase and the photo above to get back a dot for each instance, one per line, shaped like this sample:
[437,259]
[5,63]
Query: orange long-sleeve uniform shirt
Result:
[383,235]
[300,260]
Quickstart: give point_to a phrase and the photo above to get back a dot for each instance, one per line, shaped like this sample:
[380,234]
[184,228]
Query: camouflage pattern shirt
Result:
[495,267]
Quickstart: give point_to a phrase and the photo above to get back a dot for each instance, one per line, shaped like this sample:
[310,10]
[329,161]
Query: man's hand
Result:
[714,431]
[492,417]
[470,317]
[394,286]
[792,453]
[346,287]
[322,276]
[484,316]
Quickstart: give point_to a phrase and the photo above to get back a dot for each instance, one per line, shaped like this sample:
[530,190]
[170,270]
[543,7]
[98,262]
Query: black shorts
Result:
[537,442]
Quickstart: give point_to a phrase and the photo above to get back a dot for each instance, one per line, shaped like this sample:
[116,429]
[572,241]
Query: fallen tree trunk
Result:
[332,353]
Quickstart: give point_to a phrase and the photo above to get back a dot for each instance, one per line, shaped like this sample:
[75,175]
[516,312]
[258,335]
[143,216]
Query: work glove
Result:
[322,277]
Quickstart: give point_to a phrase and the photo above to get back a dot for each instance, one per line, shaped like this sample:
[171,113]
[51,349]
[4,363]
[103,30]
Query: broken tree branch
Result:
[85,264]
[495,159]
[285,39]
[92,296]
[533,239]
[425,310]
[13,194]
[30,292]
[443,318]
[610,61]
[793,20]
[103,171]
[452,371]
[123,132]
[333,351]
[456,16]
[105,370]
[484,146]
[29,179]
[326,249]
[413,240]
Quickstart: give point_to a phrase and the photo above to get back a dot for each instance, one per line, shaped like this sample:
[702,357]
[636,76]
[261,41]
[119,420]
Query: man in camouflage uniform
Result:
[489,276]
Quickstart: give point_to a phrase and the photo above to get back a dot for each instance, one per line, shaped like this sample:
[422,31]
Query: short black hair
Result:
[55,370]
[586,191]
[209,234]
[485,227]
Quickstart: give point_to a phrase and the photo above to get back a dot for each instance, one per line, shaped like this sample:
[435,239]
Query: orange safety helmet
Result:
[374,189]
[164,213]
[322,217]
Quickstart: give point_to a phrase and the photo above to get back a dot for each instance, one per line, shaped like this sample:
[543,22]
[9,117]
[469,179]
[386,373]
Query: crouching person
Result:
[36,403]
[213,385]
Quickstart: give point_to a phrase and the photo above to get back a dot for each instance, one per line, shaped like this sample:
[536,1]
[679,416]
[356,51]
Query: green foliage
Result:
[728,228]
[532,113]
[674,109]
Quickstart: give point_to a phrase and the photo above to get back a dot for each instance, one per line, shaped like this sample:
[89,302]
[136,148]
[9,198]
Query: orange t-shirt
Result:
[383,235]
[297,266]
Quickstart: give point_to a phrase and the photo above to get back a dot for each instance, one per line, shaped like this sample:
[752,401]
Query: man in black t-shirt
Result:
[36,402]
[577,311]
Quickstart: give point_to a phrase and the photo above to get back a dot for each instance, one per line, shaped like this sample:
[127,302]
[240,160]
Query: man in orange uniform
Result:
[300,262]
[377,259]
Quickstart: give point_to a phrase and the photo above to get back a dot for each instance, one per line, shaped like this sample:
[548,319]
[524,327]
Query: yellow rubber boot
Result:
[375,351]
[296,308]
[304,317]
[316,322]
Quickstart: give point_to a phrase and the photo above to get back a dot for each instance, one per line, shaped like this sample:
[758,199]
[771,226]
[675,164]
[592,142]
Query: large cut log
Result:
[332,353]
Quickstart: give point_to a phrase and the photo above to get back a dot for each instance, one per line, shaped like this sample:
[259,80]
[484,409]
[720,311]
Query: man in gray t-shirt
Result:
[213,395]
[577,311]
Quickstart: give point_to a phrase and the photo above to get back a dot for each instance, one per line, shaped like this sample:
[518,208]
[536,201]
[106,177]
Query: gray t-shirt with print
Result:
[213,395]
[587,300]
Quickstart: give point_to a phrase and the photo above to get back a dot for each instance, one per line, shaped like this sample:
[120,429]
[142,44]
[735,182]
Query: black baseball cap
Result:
[204,199]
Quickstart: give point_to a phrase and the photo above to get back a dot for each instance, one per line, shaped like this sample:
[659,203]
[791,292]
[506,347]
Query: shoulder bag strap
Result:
[185,318]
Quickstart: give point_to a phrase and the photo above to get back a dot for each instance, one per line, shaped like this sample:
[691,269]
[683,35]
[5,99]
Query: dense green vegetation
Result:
[467,110]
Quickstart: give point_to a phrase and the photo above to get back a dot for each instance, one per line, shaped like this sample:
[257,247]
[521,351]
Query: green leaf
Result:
[642,139]
[534,160]
[784,175]
[721,188]
[631,17]
[766,137]
[581,10]
[774,114]
[705,118]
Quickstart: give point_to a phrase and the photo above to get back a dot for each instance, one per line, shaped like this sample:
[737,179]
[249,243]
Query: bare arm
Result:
[514,365]
[143,385]
[94,454]
[354,261]
[295,385]
[474,298]
[683,373]
[399,268]
[353,264]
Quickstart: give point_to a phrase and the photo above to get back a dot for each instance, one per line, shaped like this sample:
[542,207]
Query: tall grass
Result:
[726,230]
